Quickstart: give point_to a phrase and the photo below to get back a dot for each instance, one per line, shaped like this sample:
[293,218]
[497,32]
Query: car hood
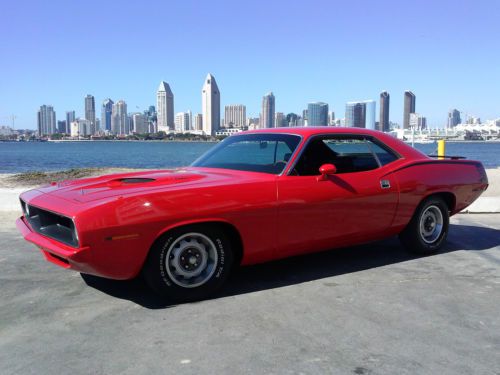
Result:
[109,186]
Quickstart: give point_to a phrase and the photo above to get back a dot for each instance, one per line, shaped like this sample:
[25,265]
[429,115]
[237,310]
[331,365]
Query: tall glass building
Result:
[90,113]
[370,114]
[317,114]
[409,107]
[360,114]
[454,118]
[46,120]
[70,117]
[268,110]
[107,110]
[384,112]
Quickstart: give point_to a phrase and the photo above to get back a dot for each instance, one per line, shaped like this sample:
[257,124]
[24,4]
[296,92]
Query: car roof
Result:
[313,130]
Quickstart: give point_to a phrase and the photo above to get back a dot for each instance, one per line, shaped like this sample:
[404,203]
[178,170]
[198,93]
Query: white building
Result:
[210,104]
[235,116]
[81,128]
[165,107]
[183,122]
[490,127]
[119,121]
[6,130]
[140,123]
[417,121]
[46,120]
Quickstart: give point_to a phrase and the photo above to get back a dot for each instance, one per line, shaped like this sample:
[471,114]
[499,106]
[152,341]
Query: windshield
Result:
[267,153]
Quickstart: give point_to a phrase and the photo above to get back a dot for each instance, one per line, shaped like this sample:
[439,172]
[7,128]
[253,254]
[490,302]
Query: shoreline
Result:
[13,184]
[115,140]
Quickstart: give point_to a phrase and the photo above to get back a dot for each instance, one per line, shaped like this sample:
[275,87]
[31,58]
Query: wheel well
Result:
[449,199]
[230,230]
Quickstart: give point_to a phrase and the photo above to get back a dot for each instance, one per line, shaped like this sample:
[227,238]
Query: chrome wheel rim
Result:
[431,224]
[191,260]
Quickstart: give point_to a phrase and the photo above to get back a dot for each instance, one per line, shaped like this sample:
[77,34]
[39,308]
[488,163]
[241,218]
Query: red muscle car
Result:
[256,196]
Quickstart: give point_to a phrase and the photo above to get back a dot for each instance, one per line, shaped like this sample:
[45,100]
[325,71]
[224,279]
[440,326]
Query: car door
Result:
[355,205]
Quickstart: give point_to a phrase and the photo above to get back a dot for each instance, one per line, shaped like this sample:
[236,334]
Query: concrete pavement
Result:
[372,309]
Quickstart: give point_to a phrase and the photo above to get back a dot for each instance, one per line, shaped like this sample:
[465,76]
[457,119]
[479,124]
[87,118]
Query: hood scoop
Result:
[128,181]
[135,180]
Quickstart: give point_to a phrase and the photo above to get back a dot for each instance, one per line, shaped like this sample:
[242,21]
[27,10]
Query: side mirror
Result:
[326,170]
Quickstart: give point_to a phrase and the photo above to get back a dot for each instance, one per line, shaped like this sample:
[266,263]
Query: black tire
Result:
[426,232]
[183,247]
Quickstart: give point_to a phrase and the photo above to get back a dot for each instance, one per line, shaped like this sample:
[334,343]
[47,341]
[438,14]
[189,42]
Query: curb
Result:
[484,205]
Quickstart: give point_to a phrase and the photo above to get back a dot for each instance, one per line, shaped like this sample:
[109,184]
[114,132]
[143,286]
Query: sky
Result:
[56,52]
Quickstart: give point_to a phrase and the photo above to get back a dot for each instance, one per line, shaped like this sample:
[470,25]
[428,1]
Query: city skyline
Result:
[417,52]
[165,98]
[357,114]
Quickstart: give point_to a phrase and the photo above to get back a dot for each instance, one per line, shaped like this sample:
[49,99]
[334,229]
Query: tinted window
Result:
[348,154]
[383,155]
[266,153]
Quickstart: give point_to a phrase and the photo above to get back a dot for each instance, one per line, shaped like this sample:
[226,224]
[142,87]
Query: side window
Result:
[383,155]
[348,154]
[283,152]
[353,155]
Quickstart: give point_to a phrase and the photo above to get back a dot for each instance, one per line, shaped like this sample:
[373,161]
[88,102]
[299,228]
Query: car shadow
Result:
[305,268]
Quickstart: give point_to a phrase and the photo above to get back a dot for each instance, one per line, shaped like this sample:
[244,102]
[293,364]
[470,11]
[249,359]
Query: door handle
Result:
[385,184]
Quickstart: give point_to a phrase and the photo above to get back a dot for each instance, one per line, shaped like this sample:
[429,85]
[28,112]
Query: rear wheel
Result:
[427,231]
[189,263]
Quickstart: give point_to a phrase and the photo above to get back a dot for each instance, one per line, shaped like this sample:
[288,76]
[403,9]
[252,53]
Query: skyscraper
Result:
[355,114]
[268,109]
[106,111]
[198,122]
[235,115]
[61,126]
[454,118]
[90,113]
[210,104]
[70,117]
[165,107]
[370,114]
[291,119]
[183,122]
[140,123]
[280,120]
[409,108]
[383,124]
[317,114]
[360,114]
[119,118]
[331,118]
[46,120]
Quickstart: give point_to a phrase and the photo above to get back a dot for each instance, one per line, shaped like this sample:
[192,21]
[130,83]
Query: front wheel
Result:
[189,263]
[427,231]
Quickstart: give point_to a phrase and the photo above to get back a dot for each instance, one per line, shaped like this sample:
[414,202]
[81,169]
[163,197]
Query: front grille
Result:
[50,224]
